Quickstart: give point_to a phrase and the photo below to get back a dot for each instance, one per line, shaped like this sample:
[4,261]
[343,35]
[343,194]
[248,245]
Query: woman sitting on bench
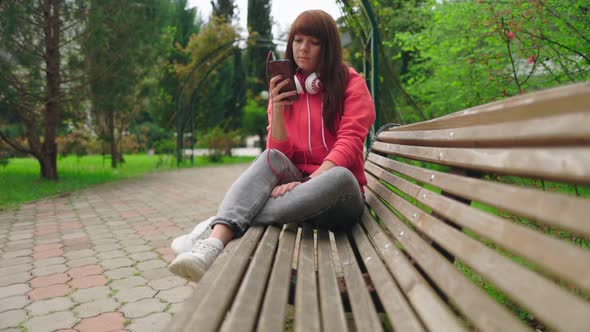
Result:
[312,170]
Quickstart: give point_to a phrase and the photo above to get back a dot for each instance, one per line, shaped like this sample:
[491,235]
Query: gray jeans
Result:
[333,199]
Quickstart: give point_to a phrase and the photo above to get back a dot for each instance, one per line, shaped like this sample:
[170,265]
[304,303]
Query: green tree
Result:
[206,88]
[470,53]
[119,54]
[259,43]
[38,61]
[185,22]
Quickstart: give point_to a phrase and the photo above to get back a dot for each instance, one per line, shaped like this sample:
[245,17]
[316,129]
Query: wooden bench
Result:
[478,220]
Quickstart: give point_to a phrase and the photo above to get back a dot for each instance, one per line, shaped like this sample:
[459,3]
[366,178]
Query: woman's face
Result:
[306,51]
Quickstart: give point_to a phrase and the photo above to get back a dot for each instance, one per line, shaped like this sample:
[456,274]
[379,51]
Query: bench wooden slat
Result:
[569,129]
[562,211]
[565,311]
[435,314]
[363,308]
[307,310]
[569,99]
[400,312]
[216,302]
[570,164]
[274,308]
[244,312]
[481,310]
[333,318]
[180,321]
[558,257]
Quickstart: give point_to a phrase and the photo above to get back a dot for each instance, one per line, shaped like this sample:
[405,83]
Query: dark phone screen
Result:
[283,68]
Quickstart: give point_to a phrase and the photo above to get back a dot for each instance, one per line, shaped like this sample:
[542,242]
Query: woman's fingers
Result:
[283,189]
[275,89]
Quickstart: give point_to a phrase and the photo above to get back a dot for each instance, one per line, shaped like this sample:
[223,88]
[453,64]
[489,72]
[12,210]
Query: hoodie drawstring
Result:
[309,125]
[323,136]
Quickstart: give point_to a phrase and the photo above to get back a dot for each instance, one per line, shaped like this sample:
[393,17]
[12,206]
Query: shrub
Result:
[220,142]
[165,146]
[73,143]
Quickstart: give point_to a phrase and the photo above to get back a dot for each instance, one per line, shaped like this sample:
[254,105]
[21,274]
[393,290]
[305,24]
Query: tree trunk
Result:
[113,141]
[48,164]
[48,153]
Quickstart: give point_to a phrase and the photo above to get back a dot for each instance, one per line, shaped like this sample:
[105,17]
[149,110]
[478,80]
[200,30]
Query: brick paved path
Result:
[96,260]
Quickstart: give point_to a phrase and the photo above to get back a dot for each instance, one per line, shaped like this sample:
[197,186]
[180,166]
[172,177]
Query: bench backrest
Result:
[492,204]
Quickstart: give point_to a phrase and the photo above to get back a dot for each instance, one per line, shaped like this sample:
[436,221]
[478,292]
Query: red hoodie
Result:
[310,143]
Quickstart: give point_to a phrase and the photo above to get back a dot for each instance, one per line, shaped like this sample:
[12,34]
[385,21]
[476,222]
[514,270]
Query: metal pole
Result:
[374,59]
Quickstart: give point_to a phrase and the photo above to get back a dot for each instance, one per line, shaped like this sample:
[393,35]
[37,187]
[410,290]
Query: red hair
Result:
[331,68]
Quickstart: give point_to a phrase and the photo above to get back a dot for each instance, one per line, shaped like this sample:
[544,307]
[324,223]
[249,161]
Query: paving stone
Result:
[116,263]
[49,269]
[12,318]
[19,245]
[43,247]
[121,273]
[15,269]
[48,253]
[142,308]
[167,283]
[16,289]
[49,261]
[152,323]
[111,321]
[77,247]
[98,240]
[13,302]
[128,282]
[151,265]
[107,247]
[91,294]
[156,274]
[51,322]
[42,293]
[95,308]
[135,242]
[111,254]
[18,237]
[159,243]
[48,239]
[80,254]
[83,271]
[175,295]
[74,236]
[48,280]
[140,248]
[15,279]
[52,305]
[15,261]
[134,294]
[144,256]
[17,253]
[78,262]
[88,281]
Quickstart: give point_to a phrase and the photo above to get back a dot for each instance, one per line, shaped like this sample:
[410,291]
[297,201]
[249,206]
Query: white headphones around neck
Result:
[312,84]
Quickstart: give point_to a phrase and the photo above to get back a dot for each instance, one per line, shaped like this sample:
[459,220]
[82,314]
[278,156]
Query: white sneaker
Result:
[193,265]
[185,243]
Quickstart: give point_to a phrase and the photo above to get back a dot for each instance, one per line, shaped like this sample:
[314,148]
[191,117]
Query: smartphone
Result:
[283,67]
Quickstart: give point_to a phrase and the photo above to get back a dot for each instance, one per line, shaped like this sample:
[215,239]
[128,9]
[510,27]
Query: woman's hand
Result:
[278,99]
[282,189]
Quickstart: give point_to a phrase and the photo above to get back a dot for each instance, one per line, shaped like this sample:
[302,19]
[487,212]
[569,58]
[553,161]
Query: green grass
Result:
[20,181]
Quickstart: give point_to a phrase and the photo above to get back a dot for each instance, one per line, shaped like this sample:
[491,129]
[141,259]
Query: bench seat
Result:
[474,221]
